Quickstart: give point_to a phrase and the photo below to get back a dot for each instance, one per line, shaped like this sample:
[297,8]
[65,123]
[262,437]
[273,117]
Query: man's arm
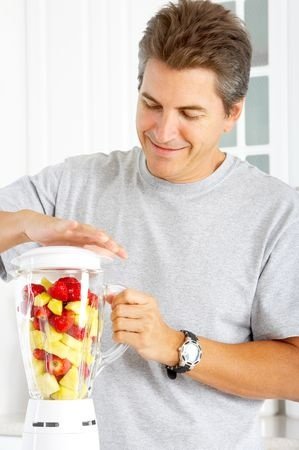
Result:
[260,369]
[29,226]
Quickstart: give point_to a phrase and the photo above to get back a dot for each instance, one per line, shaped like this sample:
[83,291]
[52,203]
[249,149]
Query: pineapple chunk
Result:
[55,306]
[52,334]
[65,394]
[74,356]
[74,306]
[72,342]
[38,366]
[42,299]
[37,339]
[94,326]
[57,348]
[47,384]
[46,283]
[71,379]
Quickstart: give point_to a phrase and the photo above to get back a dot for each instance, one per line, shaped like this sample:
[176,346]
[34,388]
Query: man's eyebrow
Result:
[180,108]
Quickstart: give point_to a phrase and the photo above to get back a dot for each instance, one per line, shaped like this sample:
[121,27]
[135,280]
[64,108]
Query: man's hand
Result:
[137,322]
[47,230]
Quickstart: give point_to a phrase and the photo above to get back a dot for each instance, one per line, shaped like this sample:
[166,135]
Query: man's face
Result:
[180,120]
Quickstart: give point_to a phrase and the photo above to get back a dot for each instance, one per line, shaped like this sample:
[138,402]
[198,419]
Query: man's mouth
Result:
[161,149]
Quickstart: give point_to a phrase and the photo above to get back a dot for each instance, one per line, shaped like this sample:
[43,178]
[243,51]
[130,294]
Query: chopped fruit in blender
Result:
[38,324]
[71,379]
[74,291]
[37,339]
[74,306]
[45,282]
[38,366]
[41,312]
[57,366]
[52,334]
[59,291]
[77,332]
[69,280]
[93,299]
[34,289]
[85,370]
[55,306]
[94,327]
[72,342]
[74,356]
[47,384]
[57,348]
[42,299]
[39,354]
[62,323]
[65,394]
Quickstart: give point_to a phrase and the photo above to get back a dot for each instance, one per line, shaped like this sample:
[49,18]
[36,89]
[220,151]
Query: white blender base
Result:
[60,425]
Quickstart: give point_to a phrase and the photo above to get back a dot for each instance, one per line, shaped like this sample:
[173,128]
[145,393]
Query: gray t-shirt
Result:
[220,256]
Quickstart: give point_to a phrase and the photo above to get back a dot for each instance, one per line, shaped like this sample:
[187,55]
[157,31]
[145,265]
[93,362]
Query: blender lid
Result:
[60,257]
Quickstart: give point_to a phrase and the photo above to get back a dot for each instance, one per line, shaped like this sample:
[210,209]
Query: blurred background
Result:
[68,85]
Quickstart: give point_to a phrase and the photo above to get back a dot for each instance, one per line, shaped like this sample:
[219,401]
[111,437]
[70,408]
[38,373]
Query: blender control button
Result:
[89,422]
[38,424]
[52,424]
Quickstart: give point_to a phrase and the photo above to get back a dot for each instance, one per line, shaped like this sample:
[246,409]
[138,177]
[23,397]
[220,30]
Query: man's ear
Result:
[234,115]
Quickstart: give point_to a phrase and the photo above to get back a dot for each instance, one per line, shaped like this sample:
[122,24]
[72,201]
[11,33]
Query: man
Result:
[211,243]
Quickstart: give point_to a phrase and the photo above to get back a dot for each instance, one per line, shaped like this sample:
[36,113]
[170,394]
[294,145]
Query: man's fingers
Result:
[130,297]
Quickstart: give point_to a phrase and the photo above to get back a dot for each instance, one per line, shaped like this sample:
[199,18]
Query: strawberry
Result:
[38,324]
[64,322]
[59,290]
[77,332]
[39,354]
[93,299]
[34,289]
[74,290]
[41,312]
[69,280]
[57,366]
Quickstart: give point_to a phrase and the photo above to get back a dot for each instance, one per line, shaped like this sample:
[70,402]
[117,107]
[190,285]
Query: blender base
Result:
[60,424]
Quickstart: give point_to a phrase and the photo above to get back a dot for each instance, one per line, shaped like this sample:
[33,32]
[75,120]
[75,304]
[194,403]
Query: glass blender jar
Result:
[60,298]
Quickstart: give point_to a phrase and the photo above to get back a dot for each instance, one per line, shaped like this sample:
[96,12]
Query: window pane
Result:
[260,161]
[229,139]
[256,18]
[257,112]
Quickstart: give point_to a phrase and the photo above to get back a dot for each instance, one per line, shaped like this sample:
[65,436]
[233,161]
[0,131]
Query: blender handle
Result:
[116,350]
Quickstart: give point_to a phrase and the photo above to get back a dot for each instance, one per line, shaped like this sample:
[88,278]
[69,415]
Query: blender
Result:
[60,298]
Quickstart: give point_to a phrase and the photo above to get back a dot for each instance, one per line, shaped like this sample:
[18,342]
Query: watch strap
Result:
[173,370]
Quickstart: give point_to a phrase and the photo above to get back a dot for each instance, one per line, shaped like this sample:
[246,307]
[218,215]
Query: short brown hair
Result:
[199,33]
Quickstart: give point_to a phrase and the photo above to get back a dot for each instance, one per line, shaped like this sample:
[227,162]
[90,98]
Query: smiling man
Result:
[211,313]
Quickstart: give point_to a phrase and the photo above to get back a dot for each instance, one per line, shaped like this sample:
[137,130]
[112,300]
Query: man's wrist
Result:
[175,341]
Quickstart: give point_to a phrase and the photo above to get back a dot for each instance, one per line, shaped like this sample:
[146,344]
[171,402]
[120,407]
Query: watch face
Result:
[191,352]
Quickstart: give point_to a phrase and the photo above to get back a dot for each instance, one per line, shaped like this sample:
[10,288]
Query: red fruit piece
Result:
[77,332]
[34,289]
[64,322]
[39,354]
[59,290]
[57,366]
[74,292]
[93,299]
[69,280]
[85,370]
[41,312]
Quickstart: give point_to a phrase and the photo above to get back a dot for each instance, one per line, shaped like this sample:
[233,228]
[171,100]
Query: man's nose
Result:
[166,128]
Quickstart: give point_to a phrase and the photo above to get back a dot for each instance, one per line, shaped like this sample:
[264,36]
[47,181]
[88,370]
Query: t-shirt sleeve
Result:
[38,193]
[275,312]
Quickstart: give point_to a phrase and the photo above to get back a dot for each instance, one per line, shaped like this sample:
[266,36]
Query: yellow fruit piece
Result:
[94,327]
[52,334]
[88,358]
[74,306]
[72,342]
[46,283]
[47,384]
[38,366]
[83,393]
[71,379]
[57,348]
[37,339]
[42,299]
[74,356]
[55,306]
[65,394]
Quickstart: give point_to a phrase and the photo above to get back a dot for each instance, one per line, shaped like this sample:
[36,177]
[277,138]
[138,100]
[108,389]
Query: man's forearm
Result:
[261,369]
[11,229]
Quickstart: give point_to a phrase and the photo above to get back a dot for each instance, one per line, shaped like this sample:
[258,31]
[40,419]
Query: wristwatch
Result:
[190,354]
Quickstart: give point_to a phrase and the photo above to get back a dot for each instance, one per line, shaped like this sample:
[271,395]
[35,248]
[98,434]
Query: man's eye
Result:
[189,116]
[151,105]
